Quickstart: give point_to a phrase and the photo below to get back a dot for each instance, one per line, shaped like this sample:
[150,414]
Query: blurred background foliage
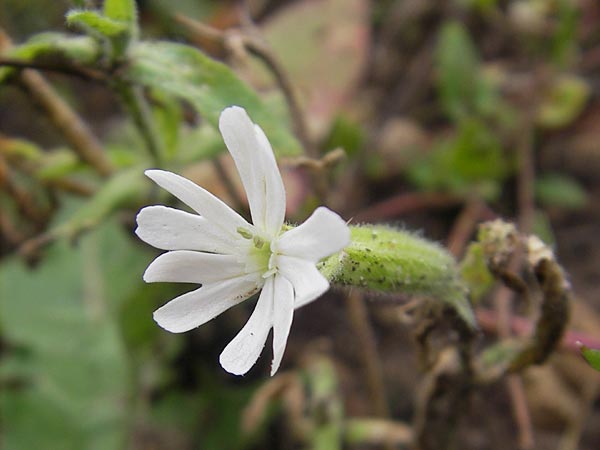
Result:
[448,113]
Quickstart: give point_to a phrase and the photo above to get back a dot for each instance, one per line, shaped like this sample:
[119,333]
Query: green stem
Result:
[141,113]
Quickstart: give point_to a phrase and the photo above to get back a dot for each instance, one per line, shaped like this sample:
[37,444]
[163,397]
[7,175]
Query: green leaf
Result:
[168,116]
[458,68]
[121,10]
[562,102]
[66,348]
[346,134]
[470,161]
[81,49]
[57,164]
[207,85]
[563,43]
[475,272]
[560,191]
[94,21]
[124,189]
[592,356]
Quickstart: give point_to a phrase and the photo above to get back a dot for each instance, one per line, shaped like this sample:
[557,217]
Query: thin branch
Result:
[406,203]
[464,226]
[520,326]
[62,116]
[225,178]
[9,233]
[373,373]
[134,99]
[47,66]
[503,301]
[23,198]
[233,40]
[514,384]
[71,126]
[264,53]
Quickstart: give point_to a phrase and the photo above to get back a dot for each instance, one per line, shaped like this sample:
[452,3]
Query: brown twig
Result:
[503,301]
[406,203]
[373,373]
[62,116]
[9,231]
[225,178]
[464,226]
[47,66]
[521,326]
[249,40]
[71,126]
[23,199]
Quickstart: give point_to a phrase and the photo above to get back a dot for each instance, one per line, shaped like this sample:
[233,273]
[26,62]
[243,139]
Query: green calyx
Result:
[387,260]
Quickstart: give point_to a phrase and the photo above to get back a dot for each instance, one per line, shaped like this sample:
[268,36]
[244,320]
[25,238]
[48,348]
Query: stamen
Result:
[269,272]
[246,234]
[258,242]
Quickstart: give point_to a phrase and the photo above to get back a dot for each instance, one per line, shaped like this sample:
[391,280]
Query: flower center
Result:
[259,254]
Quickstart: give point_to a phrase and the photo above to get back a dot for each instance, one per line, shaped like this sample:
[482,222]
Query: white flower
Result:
[233,259]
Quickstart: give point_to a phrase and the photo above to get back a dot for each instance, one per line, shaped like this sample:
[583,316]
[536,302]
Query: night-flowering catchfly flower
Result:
[233,259]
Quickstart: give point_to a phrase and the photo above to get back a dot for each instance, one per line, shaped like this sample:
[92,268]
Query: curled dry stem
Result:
[548,278]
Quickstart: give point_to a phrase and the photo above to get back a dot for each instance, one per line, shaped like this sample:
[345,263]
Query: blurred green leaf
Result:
[563,43]
[21,149]
[592,356]
[124,189]
[61,317]
[95,21]
[116,24]
[208,85]
[474,271]
[560,191]
[80,49]
[57,164]
[168,117]
[461,88]
[471,161]
[542,227]
[562,103]
[345,134]
[121,10]
[485,6]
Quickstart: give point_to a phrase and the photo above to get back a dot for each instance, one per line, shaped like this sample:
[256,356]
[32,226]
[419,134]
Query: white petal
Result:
[184,266]
[257,167]
[172,229]
[283,313]
[307,281]
[195,308]
[200,200]
[321,235]
[243,351]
